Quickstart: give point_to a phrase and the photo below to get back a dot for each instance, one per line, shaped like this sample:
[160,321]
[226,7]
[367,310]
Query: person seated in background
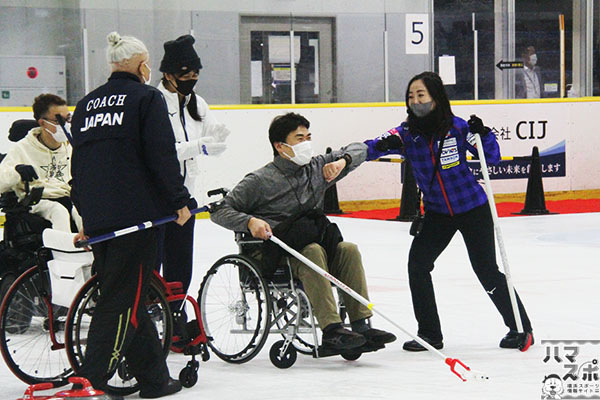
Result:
[285,198]
[43,157]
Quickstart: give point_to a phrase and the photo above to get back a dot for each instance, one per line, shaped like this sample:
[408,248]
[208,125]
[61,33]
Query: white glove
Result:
[208,147]
[219,132]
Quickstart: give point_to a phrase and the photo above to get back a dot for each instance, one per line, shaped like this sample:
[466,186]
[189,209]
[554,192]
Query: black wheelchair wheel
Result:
[350,356]
[188,376]
[236,308]
[32,331]
[6,281]
[80,317]
[285,360]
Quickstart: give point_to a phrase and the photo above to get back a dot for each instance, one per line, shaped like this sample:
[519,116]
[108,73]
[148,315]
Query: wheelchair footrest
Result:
[175,287]
[325,351]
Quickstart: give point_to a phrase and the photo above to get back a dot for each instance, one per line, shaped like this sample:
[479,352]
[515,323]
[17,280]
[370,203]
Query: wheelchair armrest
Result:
[221,191]
[246,238]
[33,197]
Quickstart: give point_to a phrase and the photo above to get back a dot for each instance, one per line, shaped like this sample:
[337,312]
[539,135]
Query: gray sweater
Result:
[281,189]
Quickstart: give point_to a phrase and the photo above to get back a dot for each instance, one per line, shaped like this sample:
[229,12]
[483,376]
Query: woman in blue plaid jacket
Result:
[436,142]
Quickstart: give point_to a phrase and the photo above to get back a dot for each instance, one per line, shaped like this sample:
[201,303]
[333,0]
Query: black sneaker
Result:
[516,340]
[170,387]
[378,337]
[342,339]
[413,345]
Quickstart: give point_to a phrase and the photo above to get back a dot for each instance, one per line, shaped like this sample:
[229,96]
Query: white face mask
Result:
[147,81]
[60,136]
[533,59]
[303,152]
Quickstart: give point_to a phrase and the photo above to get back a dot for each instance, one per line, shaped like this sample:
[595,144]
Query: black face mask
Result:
[185,87]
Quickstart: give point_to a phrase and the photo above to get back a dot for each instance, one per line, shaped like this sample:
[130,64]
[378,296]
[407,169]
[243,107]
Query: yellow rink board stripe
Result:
[365,105]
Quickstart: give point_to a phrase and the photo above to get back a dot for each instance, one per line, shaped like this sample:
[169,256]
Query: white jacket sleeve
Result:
[186,150]
[205,146]
[211,127]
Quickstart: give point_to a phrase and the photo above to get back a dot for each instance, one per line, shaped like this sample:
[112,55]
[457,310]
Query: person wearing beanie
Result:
[197,134]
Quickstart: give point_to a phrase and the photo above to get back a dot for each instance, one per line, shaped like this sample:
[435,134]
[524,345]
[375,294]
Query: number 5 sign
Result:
[417,33]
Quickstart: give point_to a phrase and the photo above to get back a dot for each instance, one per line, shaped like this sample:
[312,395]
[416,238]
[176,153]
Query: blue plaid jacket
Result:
[454,190]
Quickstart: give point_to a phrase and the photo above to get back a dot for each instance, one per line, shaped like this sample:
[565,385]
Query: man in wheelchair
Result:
[285,198]
[43,157]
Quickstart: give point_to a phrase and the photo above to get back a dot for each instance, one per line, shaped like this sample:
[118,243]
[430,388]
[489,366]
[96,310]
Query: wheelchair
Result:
[22,235]
[240,308]
[46,314]
[22,230]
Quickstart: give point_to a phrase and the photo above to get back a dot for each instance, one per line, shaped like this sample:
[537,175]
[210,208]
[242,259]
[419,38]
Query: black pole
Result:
[410,201]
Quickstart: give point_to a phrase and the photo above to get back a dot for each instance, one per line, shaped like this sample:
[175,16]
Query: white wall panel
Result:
[335,126]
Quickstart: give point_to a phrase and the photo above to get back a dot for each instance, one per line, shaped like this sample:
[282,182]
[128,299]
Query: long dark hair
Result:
[440,119]
[192,105]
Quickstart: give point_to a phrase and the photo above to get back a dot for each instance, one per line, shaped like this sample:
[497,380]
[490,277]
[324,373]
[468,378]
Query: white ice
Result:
[555,268]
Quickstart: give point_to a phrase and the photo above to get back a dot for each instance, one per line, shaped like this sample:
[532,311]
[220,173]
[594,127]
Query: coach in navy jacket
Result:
[125,172]
[125,168]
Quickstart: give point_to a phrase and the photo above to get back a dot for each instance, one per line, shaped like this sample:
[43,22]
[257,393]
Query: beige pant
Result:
[57,214]
[347,267]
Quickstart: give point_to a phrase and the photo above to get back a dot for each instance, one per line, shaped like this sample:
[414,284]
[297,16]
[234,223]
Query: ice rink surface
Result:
[555,267]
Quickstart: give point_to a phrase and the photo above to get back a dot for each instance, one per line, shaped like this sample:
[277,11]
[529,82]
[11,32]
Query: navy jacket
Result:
[124,165]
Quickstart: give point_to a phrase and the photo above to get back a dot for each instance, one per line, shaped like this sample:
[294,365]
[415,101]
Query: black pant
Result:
[121,325]
[477,229]
[176,250]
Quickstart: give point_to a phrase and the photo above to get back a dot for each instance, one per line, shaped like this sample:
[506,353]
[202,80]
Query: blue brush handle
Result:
[61,122]
[134,228]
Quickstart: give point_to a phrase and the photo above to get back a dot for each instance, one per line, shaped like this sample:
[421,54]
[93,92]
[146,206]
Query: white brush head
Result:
[478,376]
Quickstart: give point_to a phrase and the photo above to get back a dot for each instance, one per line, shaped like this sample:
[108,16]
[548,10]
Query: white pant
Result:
[57,214]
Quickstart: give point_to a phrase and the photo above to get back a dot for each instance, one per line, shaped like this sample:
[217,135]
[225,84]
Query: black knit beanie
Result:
[180,56]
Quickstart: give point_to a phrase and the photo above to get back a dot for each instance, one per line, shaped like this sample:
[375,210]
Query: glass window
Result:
[596,50]
[343,51]
[456,24]
[537,44]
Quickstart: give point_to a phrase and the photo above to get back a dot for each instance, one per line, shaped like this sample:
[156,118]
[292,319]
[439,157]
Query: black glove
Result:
[391,142]
[27,172]
[476,126]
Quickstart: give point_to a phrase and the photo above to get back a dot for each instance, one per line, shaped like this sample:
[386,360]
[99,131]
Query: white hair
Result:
[122,48]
